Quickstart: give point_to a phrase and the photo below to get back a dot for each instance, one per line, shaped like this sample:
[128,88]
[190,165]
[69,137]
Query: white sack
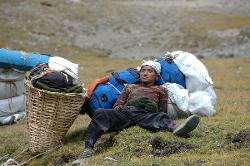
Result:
[61,64]
[202,102]
[11,89]
[178,95]
[12,105]
[196,74]
[202,98]
[174,112]
[177,100]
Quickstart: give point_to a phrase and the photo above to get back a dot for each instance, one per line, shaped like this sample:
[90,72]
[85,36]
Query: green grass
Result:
[211,141]
[208,21]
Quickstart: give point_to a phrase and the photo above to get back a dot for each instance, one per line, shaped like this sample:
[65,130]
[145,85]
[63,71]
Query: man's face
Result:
[148,75]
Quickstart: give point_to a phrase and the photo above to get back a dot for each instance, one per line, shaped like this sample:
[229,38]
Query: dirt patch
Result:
[240,139]
[169,148]
[104,144]
[138,151]
[242,136]
[65,158]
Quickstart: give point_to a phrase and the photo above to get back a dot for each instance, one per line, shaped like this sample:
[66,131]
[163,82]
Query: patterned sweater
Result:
[156,94]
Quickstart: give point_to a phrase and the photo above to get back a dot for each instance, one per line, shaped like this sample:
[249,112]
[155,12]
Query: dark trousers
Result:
[109,120]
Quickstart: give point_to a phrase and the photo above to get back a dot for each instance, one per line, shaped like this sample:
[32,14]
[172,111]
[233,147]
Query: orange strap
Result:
[93,85]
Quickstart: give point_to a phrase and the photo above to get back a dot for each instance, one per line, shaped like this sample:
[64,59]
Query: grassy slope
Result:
[212,139]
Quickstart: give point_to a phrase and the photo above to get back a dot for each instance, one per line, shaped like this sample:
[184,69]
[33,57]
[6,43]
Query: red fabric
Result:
[92,86]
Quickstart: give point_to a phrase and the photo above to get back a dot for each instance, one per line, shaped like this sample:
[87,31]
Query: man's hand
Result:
[152,107]
[144,103]
[139,102]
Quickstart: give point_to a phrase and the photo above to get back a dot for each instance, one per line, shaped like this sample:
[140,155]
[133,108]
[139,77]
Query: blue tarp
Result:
[21,60]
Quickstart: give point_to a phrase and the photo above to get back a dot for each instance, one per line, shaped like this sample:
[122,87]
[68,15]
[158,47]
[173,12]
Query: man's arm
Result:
[122,99]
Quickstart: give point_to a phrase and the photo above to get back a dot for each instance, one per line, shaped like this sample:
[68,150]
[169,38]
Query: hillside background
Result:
[127,28]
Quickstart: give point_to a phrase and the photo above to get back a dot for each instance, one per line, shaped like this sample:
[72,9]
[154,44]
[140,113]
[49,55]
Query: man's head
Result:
[149,71]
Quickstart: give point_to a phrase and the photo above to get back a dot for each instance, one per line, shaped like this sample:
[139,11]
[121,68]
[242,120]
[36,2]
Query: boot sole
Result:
[186,127]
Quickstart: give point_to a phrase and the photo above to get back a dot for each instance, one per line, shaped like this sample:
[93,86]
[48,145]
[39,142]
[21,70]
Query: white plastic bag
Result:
[178,95]
[177,100]
[196,74]
[202,98]
[61,64]
[202,102]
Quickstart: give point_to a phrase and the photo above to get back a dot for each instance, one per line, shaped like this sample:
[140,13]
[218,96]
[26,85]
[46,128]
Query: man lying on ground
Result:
[143,104]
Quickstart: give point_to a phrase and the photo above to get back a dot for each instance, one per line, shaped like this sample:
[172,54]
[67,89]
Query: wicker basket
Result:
[49,116]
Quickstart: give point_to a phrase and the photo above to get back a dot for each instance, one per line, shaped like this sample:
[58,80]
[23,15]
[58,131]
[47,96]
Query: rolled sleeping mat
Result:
[21,60]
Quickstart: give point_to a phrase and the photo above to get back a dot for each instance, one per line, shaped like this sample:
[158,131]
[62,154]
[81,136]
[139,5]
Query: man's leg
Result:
[154,121]
[105,120]
[160,121]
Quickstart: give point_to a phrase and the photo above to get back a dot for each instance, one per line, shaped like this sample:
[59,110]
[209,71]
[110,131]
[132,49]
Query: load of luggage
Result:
[13,67]
[186,79]
[49,73]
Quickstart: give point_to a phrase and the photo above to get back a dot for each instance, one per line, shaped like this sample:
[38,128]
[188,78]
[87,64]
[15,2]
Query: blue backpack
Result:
[106,94]
[120,78]
[170,73]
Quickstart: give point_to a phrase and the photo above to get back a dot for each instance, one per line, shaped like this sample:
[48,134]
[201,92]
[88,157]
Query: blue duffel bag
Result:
[170,73]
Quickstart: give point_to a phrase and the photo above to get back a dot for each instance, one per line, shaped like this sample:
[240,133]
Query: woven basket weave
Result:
[49,116]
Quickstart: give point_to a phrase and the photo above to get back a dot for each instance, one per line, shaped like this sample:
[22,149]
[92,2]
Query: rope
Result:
[114,87]
[24,150]
[199,74]
[40,154]
[162,79]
